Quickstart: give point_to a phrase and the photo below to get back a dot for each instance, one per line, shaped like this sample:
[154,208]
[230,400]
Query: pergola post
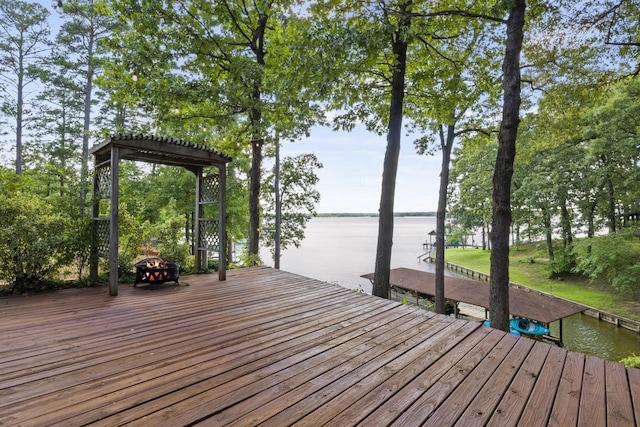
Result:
[222,223]
[199,253]
[113,223]
[95,212]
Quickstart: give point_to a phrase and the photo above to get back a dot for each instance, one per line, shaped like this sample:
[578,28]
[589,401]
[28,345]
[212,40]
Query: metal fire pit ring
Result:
[155,271]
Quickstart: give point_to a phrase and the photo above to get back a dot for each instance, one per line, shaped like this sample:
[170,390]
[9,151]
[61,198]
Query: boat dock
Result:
[530,305]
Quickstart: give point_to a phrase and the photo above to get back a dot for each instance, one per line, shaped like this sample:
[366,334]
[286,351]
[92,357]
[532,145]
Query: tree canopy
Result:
[238,76]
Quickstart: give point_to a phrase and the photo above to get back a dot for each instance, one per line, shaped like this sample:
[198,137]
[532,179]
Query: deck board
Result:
[593,399]
[271,347]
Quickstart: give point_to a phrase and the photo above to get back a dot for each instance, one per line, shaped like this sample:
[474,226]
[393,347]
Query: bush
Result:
[564,262]
[632,361]
[614,257]
[170,232]
[32,243]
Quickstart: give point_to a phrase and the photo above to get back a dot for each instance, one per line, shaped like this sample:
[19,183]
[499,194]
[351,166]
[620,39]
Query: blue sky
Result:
[351,178]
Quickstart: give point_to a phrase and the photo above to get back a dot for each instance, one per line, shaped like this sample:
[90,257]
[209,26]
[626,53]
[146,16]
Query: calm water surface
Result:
[341,249]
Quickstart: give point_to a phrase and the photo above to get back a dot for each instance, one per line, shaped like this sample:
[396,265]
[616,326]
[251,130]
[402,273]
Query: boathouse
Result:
[532,305]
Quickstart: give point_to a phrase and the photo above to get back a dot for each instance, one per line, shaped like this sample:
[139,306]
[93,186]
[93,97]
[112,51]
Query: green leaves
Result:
[615,258]
[298,197]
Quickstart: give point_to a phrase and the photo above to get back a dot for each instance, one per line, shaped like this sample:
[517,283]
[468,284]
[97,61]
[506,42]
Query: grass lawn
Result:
[526,269]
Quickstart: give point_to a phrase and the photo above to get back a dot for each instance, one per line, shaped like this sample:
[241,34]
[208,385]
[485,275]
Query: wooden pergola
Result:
[210,233]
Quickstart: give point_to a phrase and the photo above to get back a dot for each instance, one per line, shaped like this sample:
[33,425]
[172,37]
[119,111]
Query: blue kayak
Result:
[528,327]
[511,330]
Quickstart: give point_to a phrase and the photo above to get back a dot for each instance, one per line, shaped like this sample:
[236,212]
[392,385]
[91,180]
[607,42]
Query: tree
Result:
[298,197]
[399,41]
[458,93]
[222,66]
[32,241]
[23,44]
[58,127]
[472,170]
[501,221]
[83,37]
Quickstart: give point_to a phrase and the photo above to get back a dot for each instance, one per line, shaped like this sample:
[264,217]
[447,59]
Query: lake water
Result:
[341,249]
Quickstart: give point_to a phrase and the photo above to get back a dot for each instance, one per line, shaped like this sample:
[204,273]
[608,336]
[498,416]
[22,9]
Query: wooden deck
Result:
[273,348]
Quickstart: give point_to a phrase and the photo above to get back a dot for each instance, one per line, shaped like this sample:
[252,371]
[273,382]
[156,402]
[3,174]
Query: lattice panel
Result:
[103,179]
[209,238]
[210,188]
[101,229]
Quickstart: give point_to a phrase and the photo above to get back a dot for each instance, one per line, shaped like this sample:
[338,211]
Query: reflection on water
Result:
[340,250]
[591,336]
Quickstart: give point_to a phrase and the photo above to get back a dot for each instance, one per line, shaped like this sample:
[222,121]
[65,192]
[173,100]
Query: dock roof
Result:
[532,305]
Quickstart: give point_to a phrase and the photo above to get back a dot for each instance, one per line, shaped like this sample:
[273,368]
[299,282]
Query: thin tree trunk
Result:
[546,220]
[441,214]
[385,221]
[19,117]
[84,167]
[567,234]
[278,219]
[499,293]
[612,205]
[484,236]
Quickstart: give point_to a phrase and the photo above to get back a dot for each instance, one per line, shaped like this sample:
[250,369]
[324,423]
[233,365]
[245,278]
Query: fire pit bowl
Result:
[156,270]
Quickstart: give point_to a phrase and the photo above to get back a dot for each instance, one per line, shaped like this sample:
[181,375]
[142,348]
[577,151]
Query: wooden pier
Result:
[277,349]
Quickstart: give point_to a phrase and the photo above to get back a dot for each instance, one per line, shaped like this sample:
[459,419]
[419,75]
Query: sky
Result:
[351,179]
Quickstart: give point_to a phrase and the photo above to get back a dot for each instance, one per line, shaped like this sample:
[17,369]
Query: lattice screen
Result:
[101,229]
[210,189]
[103,178]
[209,239]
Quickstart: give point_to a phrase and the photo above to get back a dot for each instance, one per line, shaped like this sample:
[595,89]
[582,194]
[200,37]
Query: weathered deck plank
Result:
[619,405]
[514,400]
[567,401]
[593,409]
[279,349]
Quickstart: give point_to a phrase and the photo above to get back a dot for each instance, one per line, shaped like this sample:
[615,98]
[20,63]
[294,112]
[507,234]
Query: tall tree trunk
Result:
[546,220]
[591,229]
[254,196]
[19,117]
[257,47]
[441,213]
[499,293]
[567,234]
[385,220]
[612,204]
[88,92]
[484,236]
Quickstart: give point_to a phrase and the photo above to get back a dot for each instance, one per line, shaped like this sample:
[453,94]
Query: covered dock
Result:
[273,348]
[531,305]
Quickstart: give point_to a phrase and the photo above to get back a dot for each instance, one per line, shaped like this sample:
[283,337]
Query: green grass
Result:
[528,270]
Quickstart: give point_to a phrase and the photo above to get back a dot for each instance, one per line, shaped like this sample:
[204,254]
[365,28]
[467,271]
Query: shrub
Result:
[614,257]
[632,361]
[170,233]
[32,242]
[564,262]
